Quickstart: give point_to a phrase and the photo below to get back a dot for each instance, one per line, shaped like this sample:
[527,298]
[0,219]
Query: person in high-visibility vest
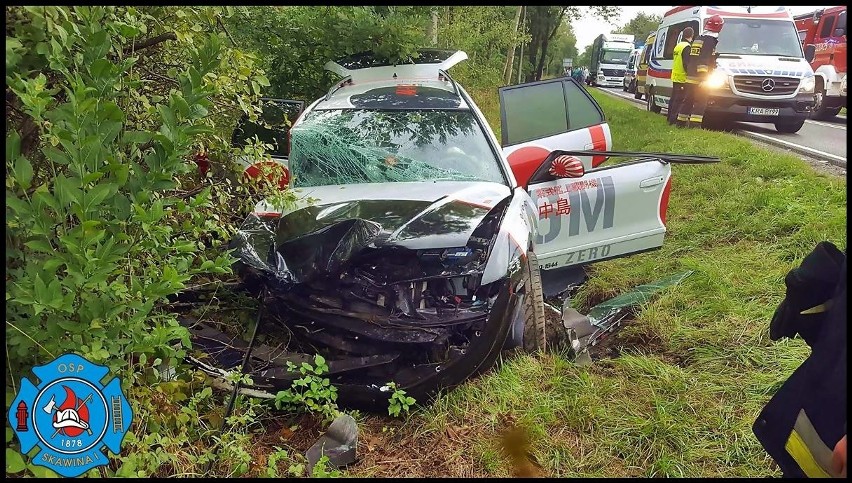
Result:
[803,426]
[702,60]
[681,57]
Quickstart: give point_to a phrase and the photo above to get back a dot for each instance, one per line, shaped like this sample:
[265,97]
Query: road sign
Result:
[567,63]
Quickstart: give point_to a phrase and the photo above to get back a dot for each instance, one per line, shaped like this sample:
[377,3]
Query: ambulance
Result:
[762,72]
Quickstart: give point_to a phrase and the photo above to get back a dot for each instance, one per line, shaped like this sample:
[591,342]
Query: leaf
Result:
[13,140]
[40,246]
[136,137]
[23,172]
[14,461]
[262,80]
[55,155]
[42,472]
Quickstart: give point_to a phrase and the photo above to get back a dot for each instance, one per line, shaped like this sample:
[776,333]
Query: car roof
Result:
[370,83]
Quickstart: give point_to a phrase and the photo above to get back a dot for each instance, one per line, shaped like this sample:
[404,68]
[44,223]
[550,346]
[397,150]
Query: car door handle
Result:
[651,182]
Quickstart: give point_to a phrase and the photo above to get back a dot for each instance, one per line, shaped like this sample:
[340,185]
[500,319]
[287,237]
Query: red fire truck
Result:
[825,29]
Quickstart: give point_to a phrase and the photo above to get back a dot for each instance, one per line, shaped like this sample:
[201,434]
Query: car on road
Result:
[415,251]
[631,72]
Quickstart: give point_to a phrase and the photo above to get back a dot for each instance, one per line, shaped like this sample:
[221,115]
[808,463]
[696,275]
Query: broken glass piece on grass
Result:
[339,443]
[607,315]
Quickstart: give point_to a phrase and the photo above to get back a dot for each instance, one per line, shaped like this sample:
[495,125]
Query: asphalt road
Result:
[823,140]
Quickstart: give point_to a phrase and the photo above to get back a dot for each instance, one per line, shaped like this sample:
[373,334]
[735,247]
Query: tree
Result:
[586,57]
[564,46]
[641,25]
[542,24]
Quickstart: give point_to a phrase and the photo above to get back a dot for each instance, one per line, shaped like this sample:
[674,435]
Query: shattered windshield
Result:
[759,37]
[353,146]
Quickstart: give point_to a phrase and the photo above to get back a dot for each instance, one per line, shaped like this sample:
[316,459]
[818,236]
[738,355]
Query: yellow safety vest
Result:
[678,69]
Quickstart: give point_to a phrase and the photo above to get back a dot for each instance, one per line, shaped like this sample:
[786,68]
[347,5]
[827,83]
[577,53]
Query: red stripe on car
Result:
[598,143]
[664,201]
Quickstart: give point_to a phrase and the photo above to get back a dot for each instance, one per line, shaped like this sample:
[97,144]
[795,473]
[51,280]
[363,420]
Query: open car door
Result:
[586,212]
[273,128]
[535,120]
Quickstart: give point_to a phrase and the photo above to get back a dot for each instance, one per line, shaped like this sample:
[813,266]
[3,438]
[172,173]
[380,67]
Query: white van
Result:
[629,83]
[762,74]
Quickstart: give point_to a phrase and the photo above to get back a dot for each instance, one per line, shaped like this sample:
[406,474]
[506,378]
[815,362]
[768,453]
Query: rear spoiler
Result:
[402,68]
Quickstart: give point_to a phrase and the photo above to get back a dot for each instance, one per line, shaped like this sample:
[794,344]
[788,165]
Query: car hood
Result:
[411,215]
[765,65]
[330,225]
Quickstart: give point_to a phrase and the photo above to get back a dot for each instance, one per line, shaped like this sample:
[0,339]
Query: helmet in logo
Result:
[767,85]
[714,24]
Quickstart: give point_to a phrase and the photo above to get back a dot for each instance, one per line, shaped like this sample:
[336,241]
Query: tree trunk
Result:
[540,66]
[521,54]
[432,31]
[510,59]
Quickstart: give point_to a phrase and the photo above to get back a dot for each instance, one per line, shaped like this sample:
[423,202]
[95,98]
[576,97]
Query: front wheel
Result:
[790,126]
[652,106]
[535,338]
[821,110]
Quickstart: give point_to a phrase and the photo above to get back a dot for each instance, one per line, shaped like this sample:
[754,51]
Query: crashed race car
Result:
[415,252]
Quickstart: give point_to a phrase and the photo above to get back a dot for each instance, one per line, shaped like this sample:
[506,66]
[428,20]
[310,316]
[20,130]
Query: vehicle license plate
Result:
[763,111]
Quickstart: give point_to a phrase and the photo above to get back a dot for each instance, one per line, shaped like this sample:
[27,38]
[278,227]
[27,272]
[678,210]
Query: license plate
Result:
[763,111]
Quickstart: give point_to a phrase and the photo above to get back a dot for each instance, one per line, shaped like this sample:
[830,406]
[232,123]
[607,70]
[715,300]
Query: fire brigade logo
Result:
[70,416]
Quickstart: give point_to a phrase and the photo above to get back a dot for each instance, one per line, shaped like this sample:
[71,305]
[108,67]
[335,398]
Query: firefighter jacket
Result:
[701,58]
[681,56]
[805,419]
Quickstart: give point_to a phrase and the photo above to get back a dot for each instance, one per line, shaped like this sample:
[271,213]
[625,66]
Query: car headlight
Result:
[807,84]
[716,80]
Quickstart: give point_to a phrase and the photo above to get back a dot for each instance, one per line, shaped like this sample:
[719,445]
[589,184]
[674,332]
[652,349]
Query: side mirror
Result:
[810,52]
[558,165]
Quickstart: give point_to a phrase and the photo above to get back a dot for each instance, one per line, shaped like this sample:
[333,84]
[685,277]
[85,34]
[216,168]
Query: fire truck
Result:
[825,29]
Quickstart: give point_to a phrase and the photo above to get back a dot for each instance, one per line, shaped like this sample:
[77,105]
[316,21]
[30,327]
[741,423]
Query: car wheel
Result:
[652,106]
[821,110]
[790,126]
[535,336]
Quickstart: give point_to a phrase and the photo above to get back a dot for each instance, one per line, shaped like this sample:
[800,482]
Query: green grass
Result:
[843,111]
[696,366]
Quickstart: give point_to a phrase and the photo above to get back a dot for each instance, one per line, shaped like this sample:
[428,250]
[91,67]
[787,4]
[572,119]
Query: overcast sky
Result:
[590,27]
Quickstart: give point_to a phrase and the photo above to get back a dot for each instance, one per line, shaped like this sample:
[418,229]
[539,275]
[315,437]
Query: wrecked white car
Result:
[416,252]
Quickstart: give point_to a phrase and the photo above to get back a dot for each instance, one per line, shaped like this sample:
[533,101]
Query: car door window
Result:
[541,109]
[827,26]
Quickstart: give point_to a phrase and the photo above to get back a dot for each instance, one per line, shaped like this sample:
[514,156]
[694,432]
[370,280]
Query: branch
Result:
[144,44]
[558,23]
[219,21]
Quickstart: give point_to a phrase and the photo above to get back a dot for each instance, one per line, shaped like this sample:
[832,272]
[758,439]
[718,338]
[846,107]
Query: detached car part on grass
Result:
[414,253]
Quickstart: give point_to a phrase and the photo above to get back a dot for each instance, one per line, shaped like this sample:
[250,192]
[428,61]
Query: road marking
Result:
[796,146]
[835,126]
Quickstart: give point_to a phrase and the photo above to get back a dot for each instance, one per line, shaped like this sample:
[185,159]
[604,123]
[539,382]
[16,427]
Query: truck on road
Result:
[609,56]
[825,29]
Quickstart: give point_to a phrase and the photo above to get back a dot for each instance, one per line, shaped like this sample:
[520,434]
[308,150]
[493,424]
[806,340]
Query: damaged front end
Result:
[397,297]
